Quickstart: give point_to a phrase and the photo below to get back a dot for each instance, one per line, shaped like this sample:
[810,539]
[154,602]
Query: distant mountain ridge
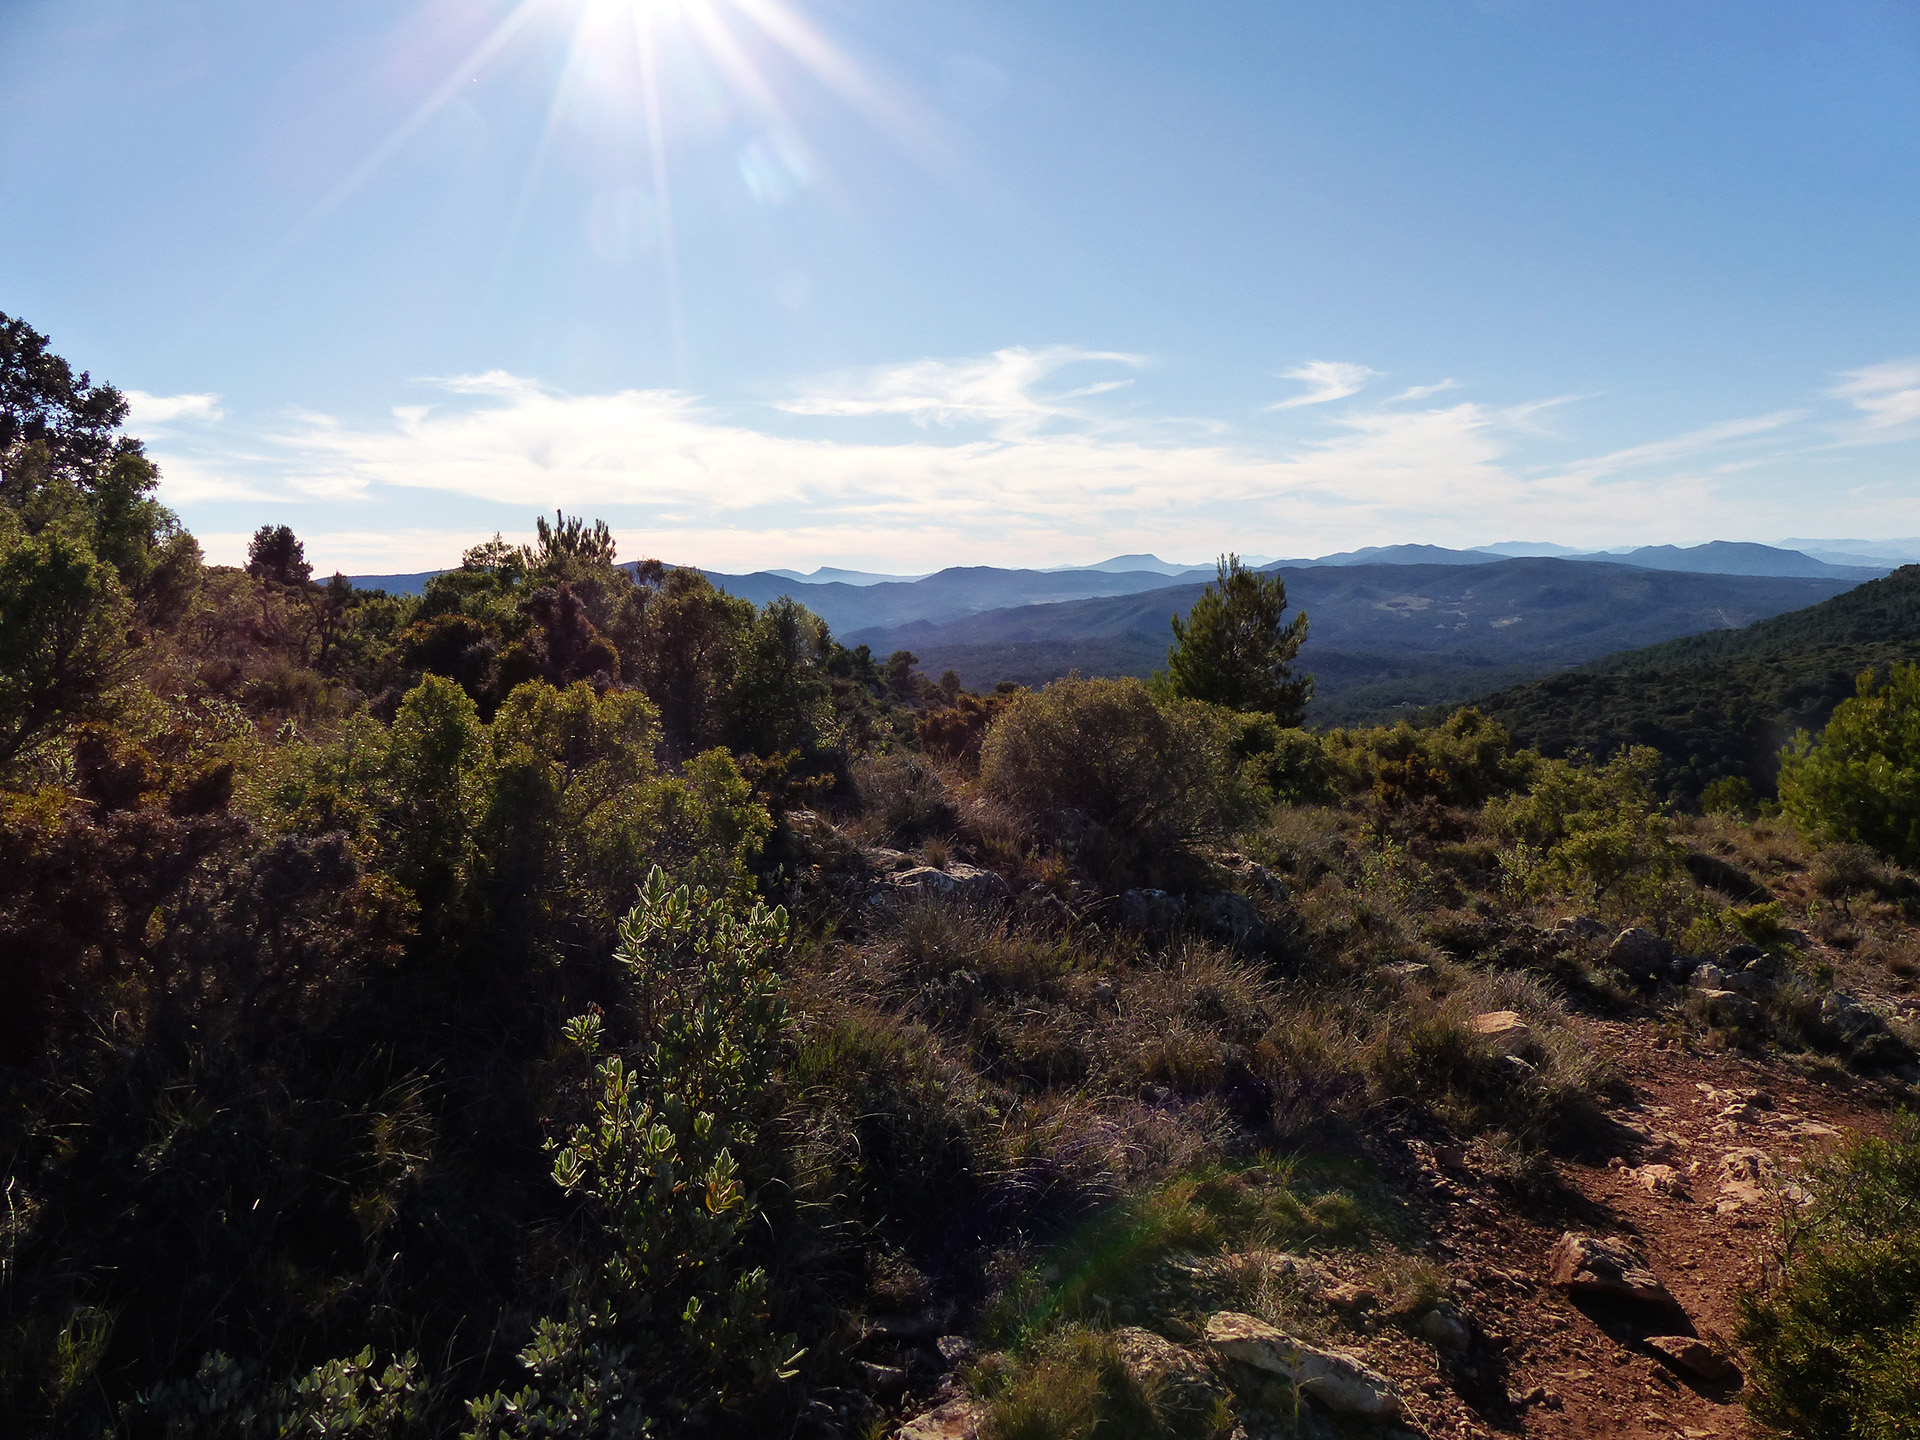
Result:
[993,587]
[1379,636]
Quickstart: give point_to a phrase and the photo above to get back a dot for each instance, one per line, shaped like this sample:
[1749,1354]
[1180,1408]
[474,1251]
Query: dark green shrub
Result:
[1860,780]
[1834,1341]
[1152,774]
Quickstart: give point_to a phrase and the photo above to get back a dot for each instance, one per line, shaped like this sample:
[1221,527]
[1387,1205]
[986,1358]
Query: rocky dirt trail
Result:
[1699,1160]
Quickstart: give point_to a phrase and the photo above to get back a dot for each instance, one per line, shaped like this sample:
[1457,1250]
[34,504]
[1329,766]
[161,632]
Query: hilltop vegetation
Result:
[1721,704]
[577,1002]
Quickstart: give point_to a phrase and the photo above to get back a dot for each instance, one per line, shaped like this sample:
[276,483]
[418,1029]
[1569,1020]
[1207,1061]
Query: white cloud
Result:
[145,409]
[1325,380]
[1886,395]
[1035,478]
[999,389]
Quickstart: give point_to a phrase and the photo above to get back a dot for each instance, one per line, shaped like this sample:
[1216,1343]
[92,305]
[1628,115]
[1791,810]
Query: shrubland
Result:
[575,1001]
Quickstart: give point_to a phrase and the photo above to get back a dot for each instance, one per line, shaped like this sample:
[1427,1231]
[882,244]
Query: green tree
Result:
[1860,780]
[63,634]
[1237,649]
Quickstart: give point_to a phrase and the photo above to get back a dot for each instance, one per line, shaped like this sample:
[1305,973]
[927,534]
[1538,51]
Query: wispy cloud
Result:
[1325,380]
[1886,395]
[149,410]
[1706,439]
[1001,389]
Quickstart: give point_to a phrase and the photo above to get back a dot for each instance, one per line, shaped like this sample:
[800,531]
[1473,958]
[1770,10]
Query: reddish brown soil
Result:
[1551,1366]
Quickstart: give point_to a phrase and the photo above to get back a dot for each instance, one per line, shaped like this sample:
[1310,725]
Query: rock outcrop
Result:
[1341,1382]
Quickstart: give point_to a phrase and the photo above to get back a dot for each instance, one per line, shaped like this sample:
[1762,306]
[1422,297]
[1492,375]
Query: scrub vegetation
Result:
[576,1002]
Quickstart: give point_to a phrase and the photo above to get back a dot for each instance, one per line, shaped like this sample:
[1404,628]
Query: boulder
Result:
[1847,1019]
[1708,977]
[1154,911]
[1752,983]
[1608,1268]
[1725,1007]
[1343,1383]
[1639,954]
[1694,1355]
[1229,918]
[1176,1381]
[956,882]
[959,1419]
[1503,1030]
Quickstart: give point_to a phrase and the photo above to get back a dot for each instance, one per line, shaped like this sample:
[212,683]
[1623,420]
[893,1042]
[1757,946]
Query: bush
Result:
[1860,780]
[1463,761]
[1153,775]
[1835,1341]
[1595,832]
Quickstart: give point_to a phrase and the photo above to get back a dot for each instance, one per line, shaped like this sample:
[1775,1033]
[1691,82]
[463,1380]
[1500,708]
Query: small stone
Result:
[1504,1030]
[1589,1265]
[1342,1295]
[1708,977]
[1693,1355]
[961,1418]
[1579,927]
[1661,1180]
[955,1350]
[1442,1328]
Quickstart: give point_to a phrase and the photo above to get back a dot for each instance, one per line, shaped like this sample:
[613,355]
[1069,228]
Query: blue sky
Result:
[791,282]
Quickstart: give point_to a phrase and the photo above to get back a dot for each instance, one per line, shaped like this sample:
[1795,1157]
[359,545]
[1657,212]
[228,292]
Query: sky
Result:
[898,286]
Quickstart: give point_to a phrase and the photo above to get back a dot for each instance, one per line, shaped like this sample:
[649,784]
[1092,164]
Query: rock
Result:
[879,860]
[1229,918]
[916,1326]
[958,1419]
[1847,1019]
[1442,1328]
[1724,1007]
[883,1379]
[1739,957]
[1579,927]
[956,882]
[1661,1180]
[1708,977]
[1339,1381]
[955,1350]
[1343,1295]
[1503,1030]
[1746,1180]
[1153,911]
[1639,954]
[1590,1265]
[1752,983]
[1693,1355]
[1175,1380]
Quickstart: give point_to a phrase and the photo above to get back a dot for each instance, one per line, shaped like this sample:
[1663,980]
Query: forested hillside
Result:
[1721,704]
[575,1002]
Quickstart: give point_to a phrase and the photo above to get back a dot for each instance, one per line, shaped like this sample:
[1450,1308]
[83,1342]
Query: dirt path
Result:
[1706,1148]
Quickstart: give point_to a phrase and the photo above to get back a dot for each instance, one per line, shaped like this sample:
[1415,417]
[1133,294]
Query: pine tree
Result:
[1235,647]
